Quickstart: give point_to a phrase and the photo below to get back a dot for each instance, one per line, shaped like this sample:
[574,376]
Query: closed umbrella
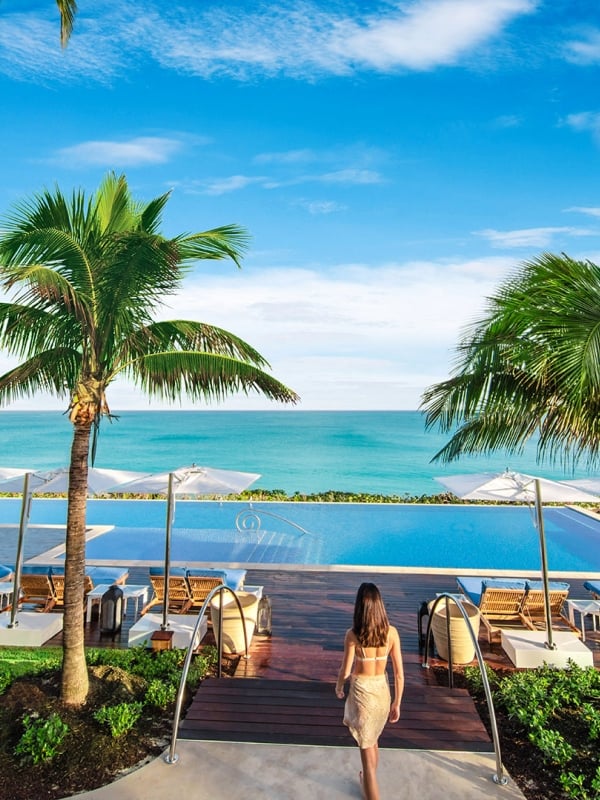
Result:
[192,481]
[513,487]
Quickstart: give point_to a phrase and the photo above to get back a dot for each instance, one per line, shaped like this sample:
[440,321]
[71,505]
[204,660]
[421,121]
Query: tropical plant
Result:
[67,10]
[530,365]
[85,277]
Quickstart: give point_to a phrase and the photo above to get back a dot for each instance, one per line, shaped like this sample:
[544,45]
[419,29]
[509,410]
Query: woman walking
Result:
[369,705]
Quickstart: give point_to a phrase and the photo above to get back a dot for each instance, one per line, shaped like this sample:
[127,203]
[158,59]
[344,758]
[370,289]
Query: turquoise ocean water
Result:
[387,452]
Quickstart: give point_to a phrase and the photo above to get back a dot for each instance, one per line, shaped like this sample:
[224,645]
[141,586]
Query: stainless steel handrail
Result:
[171,756]
[249,519]
[499,777]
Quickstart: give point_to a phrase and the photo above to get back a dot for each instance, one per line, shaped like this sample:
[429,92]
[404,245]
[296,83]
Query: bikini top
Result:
[360,654]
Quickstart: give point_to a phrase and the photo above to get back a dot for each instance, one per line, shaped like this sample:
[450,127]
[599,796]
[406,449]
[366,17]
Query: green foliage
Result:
[16,662]
[474,679]
[120,718]
[547,702]
[552,744]
[159,694]
[42,738]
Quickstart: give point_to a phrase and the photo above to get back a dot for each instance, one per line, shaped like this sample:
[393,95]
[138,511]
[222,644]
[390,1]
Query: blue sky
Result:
[393,162]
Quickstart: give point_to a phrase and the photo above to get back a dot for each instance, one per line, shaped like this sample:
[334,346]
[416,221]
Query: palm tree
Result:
[530,365]
[85,277]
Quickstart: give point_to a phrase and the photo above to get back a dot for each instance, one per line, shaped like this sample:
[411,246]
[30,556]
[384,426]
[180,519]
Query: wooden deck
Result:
[285,692]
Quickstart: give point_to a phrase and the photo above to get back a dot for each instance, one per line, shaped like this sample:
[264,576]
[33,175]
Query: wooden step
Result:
[307,712]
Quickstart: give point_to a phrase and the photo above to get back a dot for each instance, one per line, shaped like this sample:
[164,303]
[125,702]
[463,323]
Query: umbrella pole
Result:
[24,520]
[542,534]
[169,526]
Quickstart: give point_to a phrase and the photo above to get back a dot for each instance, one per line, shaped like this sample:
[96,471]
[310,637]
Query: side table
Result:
[583,607]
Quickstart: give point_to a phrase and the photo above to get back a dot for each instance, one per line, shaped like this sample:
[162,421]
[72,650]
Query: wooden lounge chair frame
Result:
[533,613]
[178,597]
[58,583]
[200,587]
[37,589]
[500,608]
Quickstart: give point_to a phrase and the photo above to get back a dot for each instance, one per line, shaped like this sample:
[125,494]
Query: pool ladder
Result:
[499,777]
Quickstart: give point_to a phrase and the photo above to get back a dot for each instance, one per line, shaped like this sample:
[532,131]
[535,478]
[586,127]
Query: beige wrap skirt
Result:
[367,708]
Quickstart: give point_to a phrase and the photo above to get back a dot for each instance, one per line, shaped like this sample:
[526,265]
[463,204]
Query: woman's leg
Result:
[370,757]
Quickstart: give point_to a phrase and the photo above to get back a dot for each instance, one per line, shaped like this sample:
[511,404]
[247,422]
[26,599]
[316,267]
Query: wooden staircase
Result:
[266,710]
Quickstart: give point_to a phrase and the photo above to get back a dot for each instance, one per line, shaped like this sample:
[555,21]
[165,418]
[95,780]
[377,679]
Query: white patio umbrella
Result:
[192,481]
[513,487]
[50,482]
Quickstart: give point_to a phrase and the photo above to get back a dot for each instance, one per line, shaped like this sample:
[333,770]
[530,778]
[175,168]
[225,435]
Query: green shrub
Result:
[120,719]
[41,739]
[160,694]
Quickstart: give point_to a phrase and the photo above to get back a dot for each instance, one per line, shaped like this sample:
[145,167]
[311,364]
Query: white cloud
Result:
[135,152]
[586,121]
[303,40]
[529,237]
[357,336]
[232,184]
[591,211]
[287,157]
[428,33]
[322,206]
[585,50]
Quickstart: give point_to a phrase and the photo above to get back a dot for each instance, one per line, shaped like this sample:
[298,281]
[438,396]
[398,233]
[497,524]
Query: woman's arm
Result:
[347,661]
[396,658]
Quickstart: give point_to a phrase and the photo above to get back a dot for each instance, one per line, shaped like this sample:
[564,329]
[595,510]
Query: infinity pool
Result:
[341,534]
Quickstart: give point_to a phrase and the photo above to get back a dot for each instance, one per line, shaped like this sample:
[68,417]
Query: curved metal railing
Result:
[248,519]
[171,756]
[499,777]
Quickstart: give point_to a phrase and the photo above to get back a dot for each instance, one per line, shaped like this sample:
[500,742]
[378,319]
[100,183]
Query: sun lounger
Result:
[202,582]
[178,596]
[593,587]
[499,601]
[533,611]
[36,587]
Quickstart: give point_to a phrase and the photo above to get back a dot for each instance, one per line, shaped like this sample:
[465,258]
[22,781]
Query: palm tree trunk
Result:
[75,682]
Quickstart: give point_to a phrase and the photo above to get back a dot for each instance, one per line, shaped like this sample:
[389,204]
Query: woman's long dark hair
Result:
[371,622]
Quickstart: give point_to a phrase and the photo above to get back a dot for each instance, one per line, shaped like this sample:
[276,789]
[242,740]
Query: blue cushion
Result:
[471,587]
[36,569]
[592,586]
[233,578]
[173,571]
[504,583]
[5,572]
[207,573]
[106,574]
[555,586]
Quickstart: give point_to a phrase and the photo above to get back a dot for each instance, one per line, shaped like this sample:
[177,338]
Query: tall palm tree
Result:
[85,277]
[530,365]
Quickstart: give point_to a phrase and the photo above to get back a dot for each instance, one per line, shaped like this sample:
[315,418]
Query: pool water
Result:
[354,534]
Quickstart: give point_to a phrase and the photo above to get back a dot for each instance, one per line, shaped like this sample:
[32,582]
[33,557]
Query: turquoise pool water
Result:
[424,536]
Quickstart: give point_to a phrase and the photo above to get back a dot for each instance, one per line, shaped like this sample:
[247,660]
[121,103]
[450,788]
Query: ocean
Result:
[379,452]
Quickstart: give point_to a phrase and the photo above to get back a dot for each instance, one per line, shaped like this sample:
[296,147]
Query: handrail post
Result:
[499,777]
[171,756]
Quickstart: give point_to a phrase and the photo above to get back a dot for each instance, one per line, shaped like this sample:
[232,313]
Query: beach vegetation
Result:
[555,711]
[53,751]
[86,277]
[528,369]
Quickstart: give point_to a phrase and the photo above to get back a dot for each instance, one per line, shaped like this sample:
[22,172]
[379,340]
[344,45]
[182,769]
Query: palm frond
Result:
[203,376]
[191,336]
[228,241]
[54,371]
[67,9]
